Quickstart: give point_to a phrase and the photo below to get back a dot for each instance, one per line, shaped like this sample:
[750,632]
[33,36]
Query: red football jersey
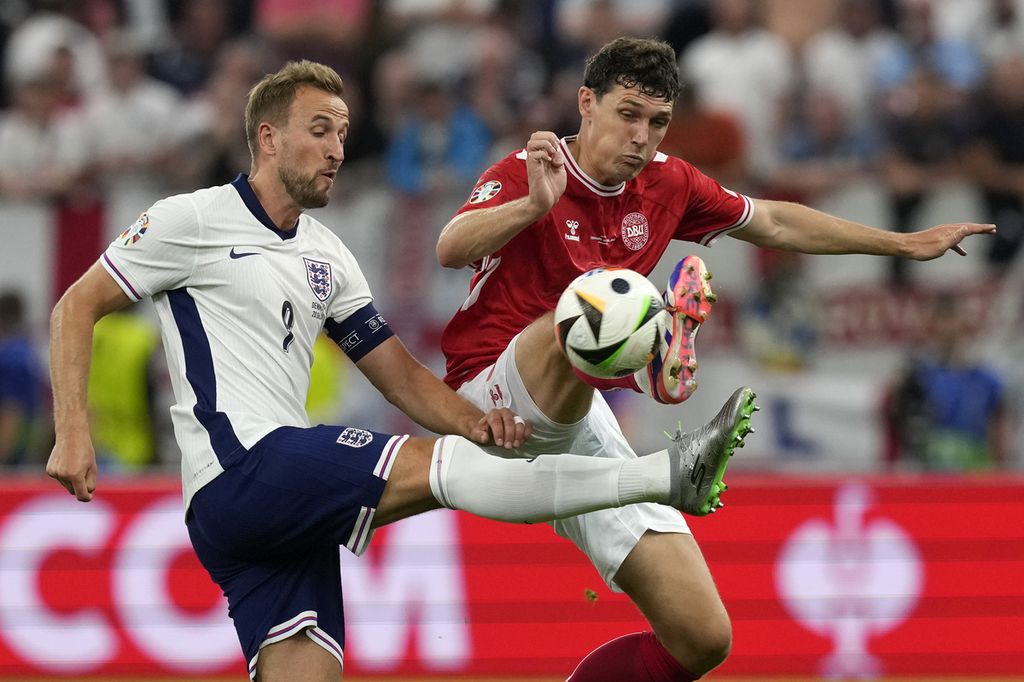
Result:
[591,225]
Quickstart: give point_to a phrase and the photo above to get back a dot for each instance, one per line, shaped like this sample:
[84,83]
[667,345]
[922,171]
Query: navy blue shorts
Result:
[269,528]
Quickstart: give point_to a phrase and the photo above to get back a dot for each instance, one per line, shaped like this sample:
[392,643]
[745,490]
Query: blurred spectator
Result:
[340,33]
[441,147]
[327,31]
[922,47]
[924,136]
[821,150]
[433,160]
[781,325]
[579,36]
[62,77]
[239,13]
[1002,34]
[994,28]
[533,115]
[134,129]
[12,13]
[504,74]
[200,30]
[21,382]
[689,20]
[438,37]
[57,25]
[589,24]
[843,60]
[121,391]
[217,149]
[947,411]
[710,140]
[43,149]
[995,157]
[741,68]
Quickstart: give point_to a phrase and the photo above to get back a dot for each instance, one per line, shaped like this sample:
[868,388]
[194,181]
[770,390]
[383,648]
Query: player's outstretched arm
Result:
[73,461]
[472,235]
[428,401]
[794,227]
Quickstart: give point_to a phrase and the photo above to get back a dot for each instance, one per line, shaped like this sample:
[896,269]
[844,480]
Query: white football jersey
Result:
[240,305]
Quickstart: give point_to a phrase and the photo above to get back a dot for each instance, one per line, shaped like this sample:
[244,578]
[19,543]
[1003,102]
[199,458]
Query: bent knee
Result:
[700,648]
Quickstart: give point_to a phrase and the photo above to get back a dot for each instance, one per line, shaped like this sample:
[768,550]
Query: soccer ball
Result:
[610,322]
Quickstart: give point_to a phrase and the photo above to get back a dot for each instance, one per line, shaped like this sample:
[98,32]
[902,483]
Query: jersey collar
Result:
[587,181]
[241,183]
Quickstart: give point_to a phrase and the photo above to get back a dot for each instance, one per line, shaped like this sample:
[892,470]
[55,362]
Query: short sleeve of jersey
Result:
[351,290]
[156,253]
[503,182]
[352,321]
[711,210]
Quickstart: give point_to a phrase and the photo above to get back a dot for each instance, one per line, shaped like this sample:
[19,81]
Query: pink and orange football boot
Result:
[669,378]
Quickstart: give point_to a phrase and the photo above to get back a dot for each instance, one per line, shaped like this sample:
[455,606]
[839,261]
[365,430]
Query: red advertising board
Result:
[846,577]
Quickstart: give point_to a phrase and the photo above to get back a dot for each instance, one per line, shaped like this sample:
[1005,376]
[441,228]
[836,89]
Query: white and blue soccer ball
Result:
[610,322]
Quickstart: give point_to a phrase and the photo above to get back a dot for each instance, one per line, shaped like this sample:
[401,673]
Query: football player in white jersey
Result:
[243,282]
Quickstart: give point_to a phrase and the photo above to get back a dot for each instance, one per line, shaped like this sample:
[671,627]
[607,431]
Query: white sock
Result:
[463,476]
[645,479]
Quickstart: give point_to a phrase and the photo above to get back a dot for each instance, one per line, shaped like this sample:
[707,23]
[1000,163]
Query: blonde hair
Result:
[270,98]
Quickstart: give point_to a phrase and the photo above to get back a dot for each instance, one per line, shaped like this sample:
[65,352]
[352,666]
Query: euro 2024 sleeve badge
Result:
[134,231]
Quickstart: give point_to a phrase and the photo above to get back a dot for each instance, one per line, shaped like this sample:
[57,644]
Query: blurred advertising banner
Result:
[839,577]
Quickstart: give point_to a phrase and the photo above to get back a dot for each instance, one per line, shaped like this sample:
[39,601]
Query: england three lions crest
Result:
[319,277]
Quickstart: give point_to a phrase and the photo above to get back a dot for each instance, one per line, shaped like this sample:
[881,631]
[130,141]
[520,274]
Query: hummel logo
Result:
[242,254]
[572,226]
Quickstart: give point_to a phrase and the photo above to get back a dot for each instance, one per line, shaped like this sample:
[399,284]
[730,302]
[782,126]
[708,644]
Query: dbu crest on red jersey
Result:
[635,231]
[319,277]
[485,192]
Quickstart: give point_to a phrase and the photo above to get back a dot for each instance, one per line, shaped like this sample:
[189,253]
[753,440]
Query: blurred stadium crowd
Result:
[897,105]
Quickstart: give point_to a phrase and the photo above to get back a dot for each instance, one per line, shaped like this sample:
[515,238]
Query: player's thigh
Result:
[297,658]
[667,578]
[407,491]
[547,374]
[501,385]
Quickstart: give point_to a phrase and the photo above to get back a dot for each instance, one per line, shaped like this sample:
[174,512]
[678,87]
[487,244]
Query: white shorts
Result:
[605,536]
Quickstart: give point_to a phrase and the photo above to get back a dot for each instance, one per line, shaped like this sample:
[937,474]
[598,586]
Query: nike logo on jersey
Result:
[242,254]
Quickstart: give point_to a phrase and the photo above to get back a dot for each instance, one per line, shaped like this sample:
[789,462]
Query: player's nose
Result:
[336,152]
[641,134]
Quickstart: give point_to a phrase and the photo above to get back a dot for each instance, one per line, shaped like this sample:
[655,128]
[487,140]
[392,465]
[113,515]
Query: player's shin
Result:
[463,476]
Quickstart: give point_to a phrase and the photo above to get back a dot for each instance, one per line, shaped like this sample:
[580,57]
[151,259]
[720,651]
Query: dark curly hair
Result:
[643,63]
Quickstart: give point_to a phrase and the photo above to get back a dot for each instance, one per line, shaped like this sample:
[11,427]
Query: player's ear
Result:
[266,137]
[587,98]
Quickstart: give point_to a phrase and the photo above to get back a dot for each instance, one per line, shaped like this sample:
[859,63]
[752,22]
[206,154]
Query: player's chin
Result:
[628,170]
[315,199]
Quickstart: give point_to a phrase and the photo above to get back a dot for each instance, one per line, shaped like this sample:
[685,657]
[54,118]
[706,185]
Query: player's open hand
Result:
[545,168]
[935,241]
[73,464]
[502,427]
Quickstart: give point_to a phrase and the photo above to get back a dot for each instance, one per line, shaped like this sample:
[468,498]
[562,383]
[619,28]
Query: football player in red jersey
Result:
[607,197]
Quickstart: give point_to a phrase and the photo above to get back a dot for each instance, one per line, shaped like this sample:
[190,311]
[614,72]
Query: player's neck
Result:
[280,207]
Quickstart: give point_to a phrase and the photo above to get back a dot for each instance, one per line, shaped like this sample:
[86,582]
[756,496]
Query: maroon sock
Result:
[638,657]
[608,384]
